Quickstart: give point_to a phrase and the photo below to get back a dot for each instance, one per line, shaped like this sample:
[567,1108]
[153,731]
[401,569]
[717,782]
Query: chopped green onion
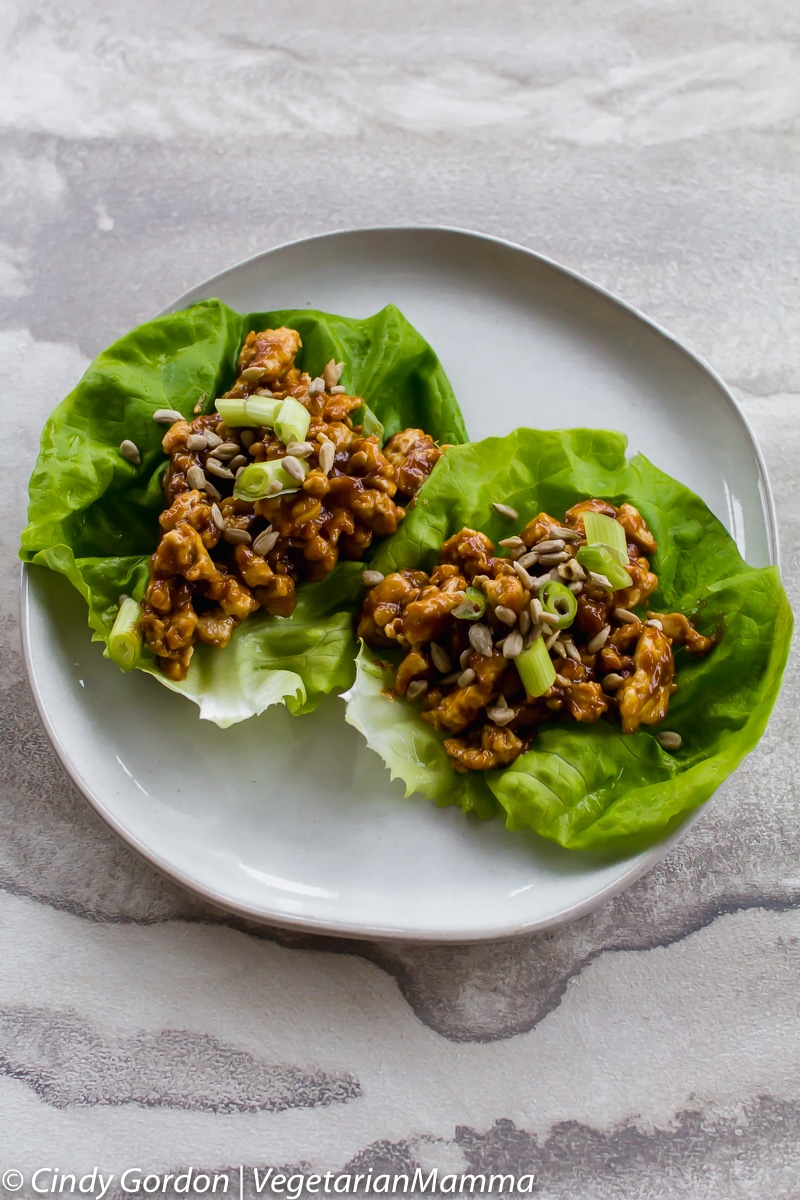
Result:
[292,421]
[125,639]
[248,410]
[536,669]
[606,532]
[560,601]
[600,560]
[370,425]
[472,606]
[255,481]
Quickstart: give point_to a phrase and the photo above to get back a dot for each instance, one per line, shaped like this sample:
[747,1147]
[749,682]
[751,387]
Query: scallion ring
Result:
[557,599]
[472,607]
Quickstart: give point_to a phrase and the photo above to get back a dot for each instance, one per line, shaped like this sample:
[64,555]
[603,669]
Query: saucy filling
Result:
[496,645]
[222,556]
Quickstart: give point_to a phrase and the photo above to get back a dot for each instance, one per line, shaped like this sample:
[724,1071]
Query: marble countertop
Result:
[647,1050]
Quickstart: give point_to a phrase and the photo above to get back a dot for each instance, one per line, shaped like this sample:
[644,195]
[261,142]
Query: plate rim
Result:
[641,863]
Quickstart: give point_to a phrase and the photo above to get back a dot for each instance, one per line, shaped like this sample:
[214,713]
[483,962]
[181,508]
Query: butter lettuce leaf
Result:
[591,786]
[93,516]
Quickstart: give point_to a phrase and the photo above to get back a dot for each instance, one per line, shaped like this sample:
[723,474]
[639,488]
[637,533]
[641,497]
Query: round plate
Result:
[294,821]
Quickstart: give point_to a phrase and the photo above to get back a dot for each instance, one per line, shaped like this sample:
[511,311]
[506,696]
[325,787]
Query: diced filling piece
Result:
[222,558]
[467,628]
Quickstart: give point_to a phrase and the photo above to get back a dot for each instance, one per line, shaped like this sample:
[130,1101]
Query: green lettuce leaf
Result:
[591,786]
[93,516]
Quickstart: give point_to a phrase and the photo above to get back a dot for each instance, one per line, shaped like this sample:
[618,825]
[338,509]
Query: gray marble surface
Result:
[648,1050]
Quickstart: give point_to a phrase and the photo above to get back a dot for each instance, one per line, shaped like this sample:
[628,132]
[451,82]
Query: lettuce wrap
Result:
[591,786]
[93,516]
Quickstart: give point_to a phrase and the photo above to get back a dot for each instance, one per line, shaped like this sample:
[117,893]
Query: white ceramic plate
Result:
[294,821]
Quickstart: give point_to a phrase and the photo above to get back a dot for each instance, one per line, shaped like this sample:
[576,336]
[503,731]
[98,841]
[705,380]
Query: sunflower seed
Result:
[416,689]
[500,715]
[300,449]
[466,677]
[196,478]
[293,468]
[226,450]
[548,618]
[601,580]
[572,571]
[213,439]
[562,680]
[550,639]
[523,574]
[513,644]
[337,390]
[196,441]
[264,391]
[612,682]
[513,542]
[528,560]
[217,517]
[572,651]
[576,587]
[273,487]
[167,416]
[655,623]
[559,648]
[237,463]
[534,635]
[506,510]
[371,578]
[480,638]
[465,656]
[253,374]
[121,598]
[668,740]
[216,468]
[506,615]
[599,640]
[130,451]
[317,386]
[247,437]
[441,659]
[332,373]
[211,492]
[626,616]
[550,560]
[524,621]
[326,456]
[550,547]
[265,541]
[564,531]
[237,537]
[451,678]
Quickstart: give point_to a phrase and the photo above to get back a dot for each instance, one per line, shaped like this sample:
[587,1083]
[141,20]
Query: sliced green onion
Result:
[370,425]
[600,560]
[561,602]
[292,421]
[125,639]
[472,606]
[536,669]
[606,532]
[255,481]
[248,410]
